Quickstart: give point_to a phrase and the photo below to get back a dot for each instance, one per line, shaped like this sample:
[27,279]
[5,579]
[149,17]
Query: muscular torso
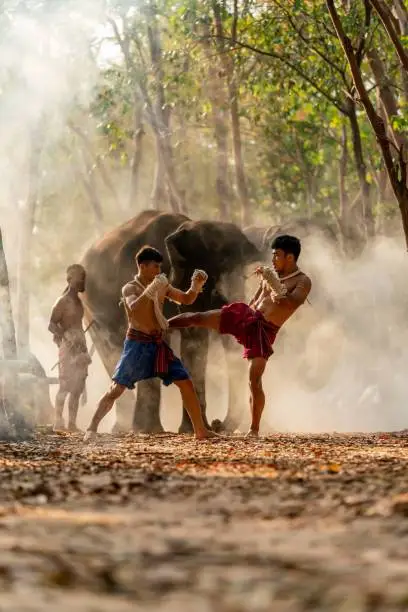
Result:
[278,311]
[68,313]
[143,318]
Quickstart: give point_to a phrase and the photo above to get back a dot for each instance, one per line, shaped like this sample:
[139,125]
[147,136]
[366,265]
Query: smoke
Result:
[47,73]
[340,362]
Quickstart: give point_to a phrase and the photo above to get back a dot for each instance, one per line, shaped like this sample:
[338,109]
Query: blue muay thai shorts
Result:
[145,357]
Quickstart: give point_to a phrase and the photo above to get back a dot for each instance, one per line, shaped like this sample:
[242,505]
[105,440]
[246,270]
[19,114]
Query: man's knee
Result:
[256,371]
[255,382]
[61,394]
[115,391]
[184,383]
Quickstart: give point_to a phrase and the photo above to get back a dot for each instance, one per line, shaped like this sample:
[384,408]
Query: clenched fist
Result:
[198,280]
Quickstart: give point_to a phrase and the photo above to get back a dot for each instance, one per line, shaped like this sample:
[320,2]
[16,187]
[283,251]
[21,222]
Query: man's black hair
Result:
[290,245]
[148,253]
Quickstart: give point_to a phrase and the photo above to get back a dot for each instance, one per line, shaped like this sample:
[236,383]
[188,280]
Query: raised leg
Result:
[257,398]
[194,353]
[146,418]
[209,319]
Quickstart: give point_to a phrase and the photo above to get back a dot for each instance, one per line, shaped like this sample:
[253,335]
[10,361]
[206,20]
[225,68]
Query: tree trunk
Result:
[386,94]
[387,20]
[159,193]
[89,183]
[26,234]
[367,213]
[6,314]
[396,170]
[97,159]
[402,15]
[233,95]
[344,201]
[138,133]
[215,90]
[242,184]
[162,112]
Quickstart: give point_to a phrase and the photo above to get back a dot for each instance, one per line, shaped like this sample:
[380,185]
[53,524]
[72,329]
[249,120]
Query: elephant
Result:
[220,248]
[261,236]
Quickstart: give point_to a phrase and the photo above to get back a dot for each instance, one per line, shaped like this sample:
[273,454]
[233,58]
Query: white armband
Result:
[273,280]
[198,283]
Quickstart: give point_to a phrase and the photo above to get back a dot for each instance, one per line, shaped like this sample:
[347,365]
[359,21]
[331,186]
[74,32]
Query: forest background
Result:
[241,110]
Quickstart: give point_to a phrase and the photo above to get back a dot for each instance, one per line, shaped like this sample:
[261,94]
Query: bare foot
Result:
[252,434]
[90,436]
[207,434]
[74,429]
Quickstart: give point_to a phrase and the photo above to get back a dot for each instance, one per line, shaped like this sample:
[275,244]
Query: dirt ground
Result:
[164,523]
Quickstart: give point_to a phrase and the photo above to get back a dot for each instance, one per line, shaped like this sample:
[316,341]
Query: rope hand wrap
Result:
[159,282]
[152,292]
[273,280]
[198,280]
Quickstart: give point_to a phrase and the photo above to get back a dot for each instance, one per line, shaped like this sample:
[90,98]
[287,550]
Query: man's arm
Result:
[188,297]
[182,297]
[131,295]
[134,296]
[299,293]
[55,324]
[256,296]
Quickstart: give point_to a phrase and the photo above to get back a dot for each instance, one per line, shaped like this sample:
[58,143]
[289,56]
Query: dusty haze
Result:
[340,368]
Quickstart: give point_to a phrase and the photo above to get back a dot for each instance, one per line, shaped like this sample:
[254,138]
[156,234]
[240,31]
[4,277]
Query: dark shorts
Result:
[249,328]
[137,362]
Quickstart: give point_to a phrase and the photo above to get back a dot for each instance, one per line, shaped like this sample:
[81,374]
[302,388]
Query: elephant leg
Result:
[194,353]
[146,417]
[237,368]
[125,406]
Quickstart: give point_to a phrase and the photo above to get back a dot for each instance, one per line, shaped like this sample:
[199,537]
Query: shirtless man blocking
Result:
[145,354]
[283,288]
[66,327]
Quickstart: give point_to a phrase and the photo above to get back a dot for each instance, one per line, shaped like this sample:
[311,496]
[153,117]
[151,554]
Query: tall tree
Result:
[396,167]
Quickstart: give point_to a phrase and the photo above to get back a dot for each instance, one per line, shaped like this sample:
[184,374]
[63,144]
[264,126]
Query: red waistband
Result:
[139,336]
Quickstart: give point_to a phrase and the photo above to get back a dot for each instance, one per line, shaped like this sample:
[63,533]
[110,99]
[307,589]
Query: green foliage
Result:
[285,68]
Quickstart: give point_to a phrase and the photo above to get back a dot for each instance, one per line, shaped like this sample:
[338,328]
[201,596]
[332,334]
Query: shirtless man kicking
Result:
[283,288]
[145,354]
[66,327]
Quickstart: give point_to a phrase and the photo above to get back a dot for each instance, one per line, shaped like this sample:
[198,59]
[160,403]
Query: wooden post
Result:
[6,315]
[9,347]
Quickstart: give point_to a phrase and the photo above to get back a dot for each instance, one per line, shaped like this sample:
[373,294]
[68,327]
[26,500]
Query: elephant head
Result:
[218,248]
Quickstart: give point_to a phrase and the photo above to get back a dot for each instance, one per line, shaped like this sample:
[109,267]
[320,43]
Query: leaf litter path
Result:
[286,523]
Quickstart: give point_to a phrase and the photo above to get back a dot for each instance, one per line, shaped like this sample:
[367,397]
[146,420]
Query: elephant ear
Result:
[184,246]
[231,247]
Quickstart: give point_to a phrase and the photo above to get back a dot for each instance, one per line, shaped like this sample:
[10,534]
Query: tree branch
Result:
[367,21]
[289,64]
[392,33]
[376,121]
